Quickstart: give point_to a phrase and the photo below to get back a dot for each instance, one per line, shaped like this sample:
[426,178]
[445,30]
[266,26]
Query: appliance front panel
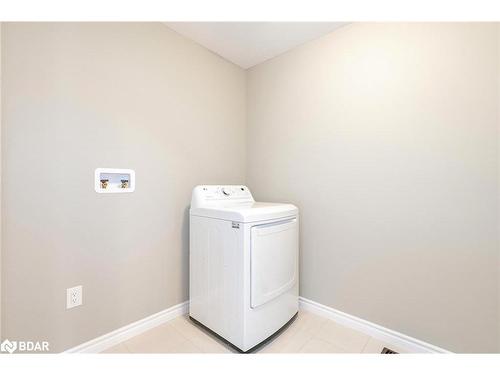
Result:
[274,260]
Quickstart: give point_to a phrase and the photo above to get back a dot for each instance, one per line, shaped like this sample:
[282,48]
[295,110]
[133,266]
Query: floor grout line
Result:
[303,345]
[366,343]
[184,335]
[216,340]
[127,348]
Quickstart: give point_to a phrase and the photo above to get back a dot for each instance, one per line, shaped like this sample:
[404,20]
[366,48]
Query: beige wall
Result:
[0,182]
[385,136]
[81,96]
[498,171]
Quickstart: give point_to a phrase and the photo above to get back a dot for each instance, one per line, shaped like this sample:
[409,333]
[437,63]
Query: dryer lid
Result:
[247,212]
[236,203]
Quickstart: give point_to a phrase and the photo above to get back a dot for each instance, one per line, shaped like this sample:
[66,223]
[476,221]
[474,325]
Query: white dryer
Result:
[244,271]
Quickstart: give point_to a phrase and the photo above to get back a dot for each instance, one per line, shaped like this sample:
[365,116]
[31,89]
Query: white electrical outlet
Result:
[73,297]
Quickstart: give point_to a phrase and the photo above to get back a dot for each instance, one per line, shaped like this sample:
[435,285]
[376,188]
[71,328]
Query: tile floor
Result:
[309,333]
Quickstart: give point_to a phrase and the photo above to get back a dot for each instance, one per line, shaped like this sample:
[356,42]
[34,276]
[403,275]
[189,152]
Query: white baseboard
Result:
[113,338]
[387,335]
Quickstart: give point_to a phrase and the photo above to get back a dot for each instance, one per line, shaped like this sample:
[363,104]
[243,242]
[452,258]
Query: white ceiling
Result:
[250,43]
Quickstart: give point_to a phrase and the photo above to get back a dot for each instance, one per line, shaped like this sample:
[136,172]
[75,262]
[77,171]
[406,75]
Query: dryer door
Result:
[274,260]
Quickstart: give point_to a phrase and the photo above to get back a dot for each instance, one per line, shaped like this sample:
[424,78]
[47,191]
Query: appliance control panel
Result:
[206,195]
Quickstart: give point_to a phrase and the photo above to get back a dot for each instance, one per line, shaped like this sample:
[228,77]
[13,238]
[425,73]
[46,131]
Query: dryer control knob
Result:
[226,191]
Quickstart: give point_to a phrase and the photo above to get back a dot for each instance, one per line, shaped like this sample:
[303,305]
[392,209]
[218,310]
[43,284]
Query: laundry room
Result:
[263,187]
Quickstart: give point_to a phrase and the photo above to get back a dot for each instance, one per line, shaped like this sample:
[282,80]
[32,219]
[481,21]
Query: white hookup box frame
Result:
[114,180]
